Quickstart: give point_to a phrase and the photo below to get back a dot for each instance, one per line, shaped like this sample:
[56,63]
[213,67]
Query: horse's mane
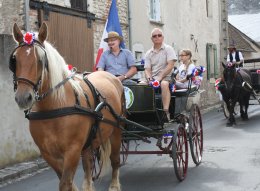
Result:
[57,71]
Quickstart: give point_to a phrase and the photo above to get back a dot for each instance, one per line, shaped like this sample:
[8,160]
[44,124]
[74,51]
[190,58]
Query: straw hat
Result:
[113,34]
[232,44]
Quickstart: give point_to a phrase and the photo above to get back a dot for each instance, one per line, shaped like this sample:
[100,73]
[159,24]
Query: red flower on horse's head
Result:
[29,38]
[70,66]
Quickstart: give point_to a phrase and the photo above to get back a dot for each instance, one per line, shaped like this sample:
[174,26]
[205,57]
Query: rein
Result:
[42,96]
[236,76]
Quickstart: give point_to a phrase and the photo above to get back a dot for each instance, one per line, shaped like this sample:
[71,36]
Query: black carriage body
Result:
[147,107]
[143,109]
[255,79]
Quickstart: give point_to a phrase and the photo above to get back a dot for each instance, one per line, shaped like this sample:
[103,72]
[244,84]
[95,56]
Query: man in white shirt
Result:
[235,56]
[159,62]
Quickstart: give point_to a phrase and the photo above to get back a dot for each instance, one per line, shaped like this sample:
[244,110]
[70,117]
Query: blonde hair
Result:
[189,53]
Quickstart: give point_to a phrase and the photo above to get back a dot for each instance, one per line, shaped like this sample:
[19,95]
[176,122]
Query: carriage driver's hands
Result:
[236,63]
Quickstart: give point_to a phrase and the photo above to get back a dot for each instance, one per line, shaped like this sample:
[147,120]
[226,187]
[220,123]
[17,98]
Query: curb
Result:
[21,170]
[207,109]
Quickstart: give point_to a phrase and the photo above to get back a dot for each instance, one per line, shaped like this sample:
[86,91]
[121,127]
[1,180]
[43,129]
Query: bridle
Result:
[12,67]
[35,86]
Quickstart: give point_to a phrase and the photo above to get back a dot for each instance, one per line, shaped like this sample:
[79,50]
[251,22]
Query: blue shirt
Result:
[116,65]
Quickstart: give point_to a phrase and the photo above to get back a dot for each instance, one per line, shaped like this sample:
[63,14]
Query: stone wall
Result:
[10,11]
[16,143]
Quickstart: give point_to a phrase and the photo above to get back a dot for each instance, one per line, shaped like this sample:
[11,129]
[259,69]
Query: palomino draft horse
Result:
[233,90]
[61,110]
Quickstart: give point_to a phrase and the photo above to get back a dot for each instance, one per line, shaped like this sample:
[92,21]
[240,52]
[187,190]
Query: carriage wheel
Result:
[97,164]
[196,134]
[225,110]
[124,151]
[180,152]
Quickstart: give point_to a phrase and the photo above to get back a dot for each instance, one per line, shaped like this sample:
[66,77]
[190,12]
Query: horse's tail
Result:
[105,150]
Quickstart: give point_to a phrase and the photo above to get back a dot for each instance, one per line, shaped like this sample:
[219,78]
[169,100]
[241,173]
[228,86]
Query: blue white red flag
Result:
[112,24]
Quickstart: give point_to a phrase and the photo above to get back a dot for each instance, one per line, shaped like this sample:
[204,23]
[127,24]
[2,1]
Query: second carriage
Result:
[255,93]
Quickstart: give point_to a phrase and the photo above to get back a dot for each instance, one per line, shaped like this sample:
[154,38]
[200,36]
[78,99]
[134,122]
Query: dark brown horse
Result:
[233,90]
[38,68]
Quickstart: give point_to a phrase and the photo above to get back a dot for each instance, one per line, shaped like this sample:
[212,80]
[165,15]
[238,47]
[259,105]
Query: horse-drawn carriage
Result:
[171,139]
[84,116]
[237,87]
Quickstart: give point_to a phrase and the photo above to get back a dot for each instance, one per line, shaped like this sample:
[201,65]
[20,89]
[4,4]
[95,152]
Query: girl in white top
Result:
[185,69]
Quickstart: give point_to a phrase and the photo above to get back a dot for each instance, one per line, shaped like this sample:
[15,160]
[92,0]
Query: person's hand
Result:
[149,80]
[121,78]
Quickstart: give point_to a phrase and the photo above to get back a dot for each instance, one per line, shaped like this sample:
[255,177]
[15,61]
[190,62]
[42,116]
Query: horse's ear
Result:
[224,66]
[17,34]
[43,32]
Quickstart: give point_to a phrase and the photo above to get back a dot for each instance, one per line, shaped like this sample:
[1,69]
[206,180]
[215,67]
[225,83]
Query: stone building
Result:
[198,25]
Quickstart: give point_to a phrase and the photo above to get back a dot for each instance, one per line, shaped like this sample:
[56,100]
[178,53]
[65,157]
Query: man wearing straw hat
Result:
[234,55]
[117,61]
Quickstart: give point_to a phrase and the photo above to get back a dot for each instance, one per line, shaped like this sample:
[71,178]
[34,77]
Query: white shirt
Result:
[183,72]
[234,56]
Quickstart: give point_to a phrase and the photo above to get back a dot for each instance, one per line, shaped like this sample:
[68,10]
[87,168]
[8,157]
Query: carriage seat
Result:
[184,92]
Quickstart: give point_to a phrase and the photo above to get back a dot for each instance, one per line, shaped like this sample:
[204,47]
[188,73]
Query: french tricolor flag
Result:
[112,24]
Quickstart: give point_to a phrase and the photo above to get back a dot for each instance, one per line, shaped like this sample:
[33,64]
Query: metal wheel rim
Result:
[196,134]
[225,110]
[180,152]
[124,149]
[97,164]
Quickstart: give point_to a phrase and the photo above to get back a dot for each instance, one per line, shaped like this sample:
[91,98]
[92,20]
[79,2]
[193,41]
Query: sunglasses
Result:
[157,35]
[183,55]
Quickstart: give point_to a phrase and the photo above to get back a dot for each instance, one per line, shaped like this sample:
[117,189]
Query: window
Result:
[155,10]
[209,7]
[79,4]
[212,66]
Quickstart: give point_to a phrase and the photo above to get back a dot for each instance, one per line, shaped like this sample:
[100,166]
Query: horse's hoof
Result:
[245,118]
[229,124]
[114,188]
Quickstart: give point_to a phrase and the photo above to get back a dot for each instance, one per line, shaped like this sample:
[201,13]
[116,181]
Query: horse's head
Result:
[27,62]
[229,75]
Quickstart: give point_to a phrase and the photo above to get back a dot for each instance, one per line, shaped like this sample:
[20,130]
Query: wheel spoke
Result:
[196,134]
[180,152]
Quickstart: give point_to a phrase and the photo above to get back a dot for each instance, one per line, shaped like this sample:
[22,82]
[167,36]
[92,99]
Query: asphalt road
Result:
[231,162]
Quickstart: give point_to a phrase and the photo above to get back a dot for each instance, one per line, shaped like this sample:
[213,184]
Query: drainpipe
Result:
[129,25]
[27,9]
